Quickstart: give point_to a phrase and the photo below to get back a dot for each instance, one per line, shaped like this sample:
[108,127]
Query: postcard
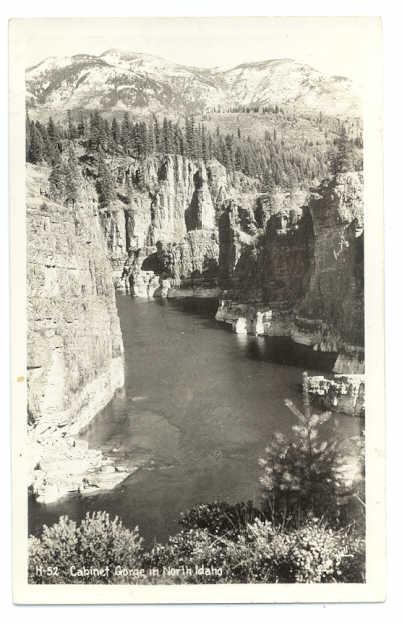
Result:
[197,310]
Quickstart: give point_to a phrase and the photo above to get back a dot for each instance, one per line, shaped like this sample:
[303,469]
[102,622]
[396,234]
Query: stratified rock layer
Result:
[75,349]
[284,263]
[165,220]
[303,276]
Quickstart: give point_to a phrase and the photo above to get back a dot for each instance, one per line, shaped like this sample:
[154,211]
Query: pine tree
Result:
[341,159]
[115,131]
[106,135]
[144,138]
[197,139]
[72,177]
[72,132]
[177,143]
[51,130]
[97,135]
[52,151]
[57,182]
[105,183]
[268,182]
[205,152]
[125,133]
[167,136]
[151,143]
[189,136]
[157,134]
[81,127]
[135,140]
[36,149]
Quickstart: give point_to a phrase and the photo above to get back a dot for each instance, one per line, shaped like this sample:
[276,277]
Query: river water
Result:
[198,408]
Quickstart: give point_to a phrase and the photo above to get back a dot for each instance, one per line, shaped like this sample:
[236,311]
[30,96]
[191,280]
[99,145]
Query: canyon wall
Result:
[75,349]
[165,220]
[282,263]
[302,276]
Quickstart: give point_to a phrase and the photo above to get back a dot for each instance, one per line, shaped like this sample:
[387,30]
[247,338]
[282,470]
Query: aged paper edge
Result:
[371,591]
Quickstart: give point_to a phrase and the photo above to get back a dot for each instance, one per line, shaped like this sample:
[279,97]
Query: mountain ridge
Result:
[140,82]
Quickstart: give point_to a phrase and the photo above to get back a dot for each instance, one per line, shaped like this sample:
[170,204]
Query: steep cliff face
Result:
[285,264]
[303,275]
[165,220]
[75,345]
[336,290]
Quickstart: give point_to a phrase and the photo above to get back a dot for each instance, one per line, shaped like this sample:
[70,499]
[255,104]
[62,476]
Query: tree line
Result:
[272,159]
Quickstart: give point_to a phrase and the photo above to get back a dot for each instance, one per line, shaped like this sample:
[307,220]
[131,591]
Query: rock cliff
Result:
[335,296]
[164,222]
[302,275]
[75,348]
[284,263]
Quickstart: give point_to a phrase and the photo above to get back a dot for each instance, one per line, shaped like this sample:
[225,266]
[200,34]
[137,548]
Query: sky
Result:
[332,45]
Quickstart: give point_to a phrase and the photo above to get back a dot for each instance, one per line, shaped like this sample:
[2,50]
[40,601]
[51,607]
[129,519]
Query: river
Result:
[198,408]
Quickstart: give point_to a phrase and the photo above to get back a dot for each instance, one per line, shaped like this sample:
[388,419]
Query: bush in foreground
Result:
[240,553]
[310,474]
[67,547]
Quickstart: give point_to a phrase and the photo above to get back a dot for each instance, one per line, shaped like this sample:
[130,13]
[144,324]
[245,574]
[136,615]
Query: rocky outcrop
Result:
[336,287]
[285,263]
[166,214]
[302,273]
[342,393]
[255,318]
[75,349]
[60,464]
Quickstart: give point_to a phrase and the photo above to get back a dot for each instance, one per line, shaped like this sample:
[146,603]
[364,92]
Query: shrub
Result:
[313,553]
[97,542]
[306,475]
[220,518]
[193,549]
[253,552]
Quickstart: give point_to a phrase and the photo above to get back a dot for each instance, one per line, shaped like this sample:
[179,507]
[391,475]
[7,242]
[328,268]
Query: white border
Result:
[373,590]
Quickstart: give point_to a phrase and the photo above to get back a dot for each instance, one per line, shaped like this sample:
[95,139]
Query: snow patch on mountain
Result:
[124,80]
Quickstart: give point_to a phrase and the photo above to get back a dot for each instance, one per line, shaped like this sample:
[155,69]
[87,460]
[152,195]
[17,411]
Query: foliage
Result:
[312,553]
[345,155]
[210,549]
[105,184]
[274,158]
[221,518]
[57,182]
[72,183]
[300,535]
[307,475]
[97,542]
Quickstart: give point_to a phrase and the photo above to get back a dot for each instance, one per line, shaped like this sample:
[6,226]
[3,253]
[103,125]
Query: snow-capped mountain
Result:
[120,80]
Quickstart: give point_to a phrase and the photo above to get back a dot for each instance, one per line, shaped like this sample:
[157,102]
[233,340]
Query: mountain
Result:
[121,80]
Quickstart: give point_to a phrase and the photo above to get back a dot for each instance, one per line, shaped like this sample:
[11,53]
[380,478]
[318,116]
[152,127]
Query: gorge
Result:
[198,407]
[279,269]
[248,218]
[282,265]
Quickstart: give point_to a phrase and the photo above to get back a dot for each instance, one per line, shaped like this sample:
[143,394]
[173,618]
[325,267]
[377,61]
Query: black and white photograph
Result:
[194,398]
